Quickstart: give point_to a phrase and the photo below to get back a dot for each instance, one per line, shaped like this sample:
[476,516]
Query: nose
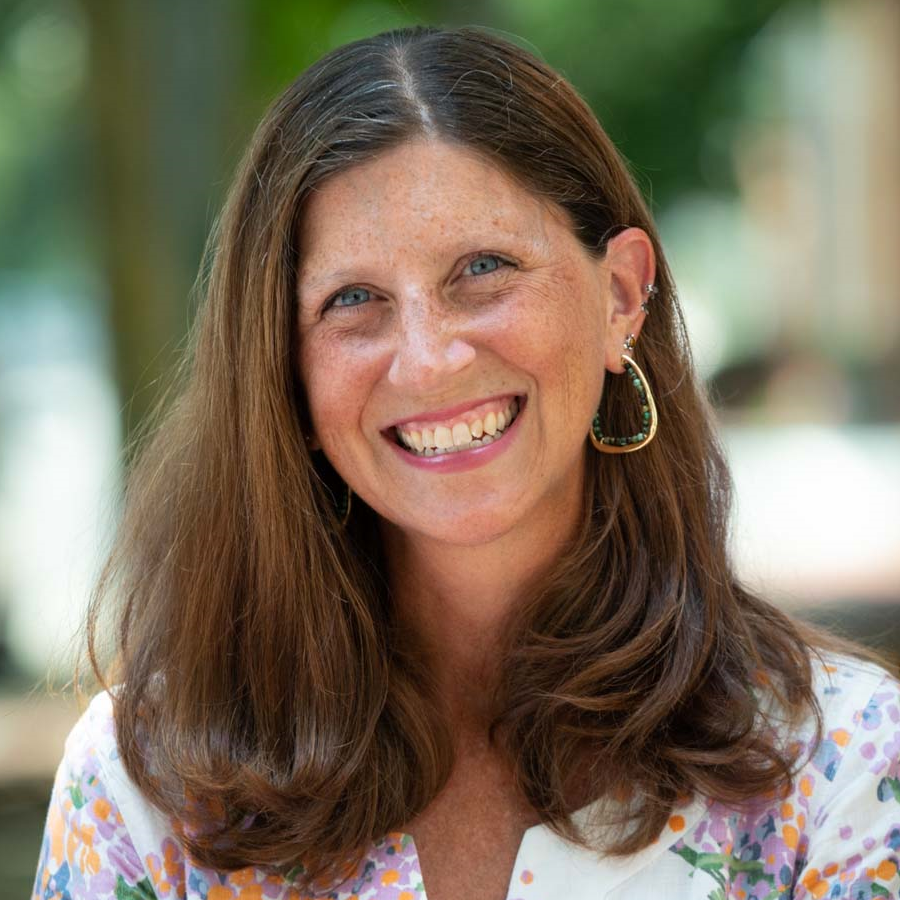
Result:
[428,349]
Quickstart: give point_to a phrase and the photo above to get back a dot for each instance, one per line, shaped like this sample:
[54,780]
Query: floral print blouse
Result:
[837,835]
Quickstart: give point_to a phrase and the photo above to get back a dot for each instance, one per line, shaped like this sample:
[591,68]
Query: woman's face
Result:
[453,340]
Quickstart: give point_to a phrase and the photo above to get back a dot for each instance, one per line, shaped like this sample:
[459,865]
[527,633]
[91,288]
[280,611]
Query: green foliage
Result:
[285,36]
[664,78]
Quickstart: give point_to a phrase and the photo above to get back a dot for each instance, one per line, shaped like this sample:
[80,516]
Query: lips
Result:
[456,460]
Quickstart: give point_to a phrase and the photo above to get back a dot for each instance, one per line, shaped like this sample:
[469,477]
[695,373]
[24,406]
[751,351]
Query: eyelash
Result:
[357,307]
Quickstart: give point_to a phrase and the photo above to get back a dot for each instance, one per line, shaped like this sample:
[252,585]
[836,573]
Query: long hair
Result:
[265,701]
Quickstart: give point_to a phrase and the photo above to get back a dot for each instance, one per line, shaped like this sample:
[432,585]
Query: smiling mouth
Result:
[460,435]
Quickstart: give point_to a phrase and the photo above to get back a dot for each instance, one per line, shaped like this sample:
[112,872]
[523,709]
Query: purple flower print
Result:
[871,717]
[720,826]
[892,753]
[103,883]
[124,859]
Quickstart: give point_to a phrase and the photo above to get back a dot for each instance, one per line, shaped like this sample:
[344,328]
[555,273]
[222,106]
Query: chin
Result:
[471,529]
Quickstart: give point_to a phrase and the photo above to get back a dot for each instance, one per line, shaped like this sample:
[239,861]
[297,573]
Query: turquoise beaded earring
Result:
[607,444]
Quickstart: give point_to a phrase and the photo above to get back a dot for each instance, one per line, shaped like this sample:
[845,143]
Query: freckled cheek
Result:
[570,367]
[338,386]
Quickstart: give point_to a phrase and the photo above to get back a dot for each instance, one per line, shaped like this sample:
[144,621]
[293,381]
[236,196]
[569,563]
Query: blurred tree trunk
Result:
[161,78]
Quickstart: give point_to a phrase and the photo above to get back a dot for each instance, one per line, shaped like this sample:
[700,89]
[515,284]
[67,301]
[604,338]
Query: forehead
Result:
[421,195]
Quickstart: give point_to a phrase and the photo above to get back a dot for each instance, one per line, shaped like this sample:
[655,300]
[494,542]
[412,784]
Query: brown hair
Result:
[256,652]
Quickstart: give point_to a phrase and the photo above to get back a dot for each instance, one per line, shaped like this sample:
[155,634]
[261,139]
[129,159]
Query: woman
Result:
[420,586]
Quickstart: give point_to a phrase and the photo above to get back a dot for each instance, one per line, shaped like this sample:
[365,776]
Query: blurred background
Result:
[766,135]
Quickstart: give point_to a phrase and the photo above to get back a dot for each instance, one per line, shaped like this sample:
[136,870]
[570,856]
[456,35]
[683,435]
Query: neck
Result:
[455,599]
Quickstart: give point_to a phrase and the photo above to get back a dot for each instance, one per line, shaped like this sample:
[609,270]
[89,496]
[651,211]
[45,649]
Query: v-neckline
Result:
[545,864]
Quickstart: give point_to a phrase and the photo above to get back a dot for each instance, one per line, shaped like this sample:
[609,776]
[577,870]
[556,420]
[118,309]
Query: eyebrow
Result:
[459,249]
[314,285]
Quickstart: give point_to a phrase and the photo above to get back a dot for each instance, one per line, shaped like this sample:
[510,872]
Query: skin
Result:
[428,331]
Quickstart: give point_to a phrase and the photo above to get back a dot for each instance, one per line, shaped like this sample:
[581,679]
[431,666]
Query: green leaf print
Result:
[689,855]
[879,891]
[143,890]
[721,868]
[77,796]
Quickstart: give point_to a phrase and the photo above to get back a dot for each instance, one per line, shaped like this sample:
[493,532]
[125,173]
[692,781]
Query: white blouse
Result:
[836,835]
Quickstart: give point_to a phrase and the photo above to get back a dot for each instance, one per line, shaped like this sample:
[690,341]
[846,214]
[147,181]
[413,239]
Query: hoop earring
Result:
[648,415]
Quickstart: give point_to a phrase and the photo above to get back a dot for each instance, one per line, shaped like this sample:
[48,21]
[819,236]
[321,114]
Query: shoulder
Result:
[93,737]
[836,831]
[93,742]
[839,679]
[101,838]
[860,744]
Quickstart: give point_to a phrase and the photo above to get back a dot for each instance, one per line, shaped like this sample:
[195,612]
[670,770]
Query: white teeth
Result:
[461,434]
[443,437]
[455,448]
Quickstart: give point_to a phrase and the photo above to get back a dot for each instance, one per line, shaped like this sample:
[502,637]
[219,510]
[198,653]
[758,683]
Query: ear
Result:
[312,442]
[630,265]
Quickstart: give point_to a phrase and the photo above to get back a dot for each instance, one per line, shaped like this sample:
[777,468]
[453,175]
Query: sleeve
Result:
[86,851]
[853,848]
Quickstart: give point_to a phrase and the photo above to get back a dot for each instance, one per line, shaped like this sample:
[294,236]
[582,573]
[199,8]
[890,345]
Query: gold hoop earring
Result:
[648,415]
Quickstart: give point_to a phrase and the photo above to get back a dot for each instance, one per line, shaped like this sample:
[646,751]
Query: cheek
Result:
[559,335]
[337,376]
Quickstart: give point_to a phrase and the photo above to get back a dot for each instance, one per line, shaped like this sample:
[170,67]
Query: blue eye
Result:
[351,297]
[484,265]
